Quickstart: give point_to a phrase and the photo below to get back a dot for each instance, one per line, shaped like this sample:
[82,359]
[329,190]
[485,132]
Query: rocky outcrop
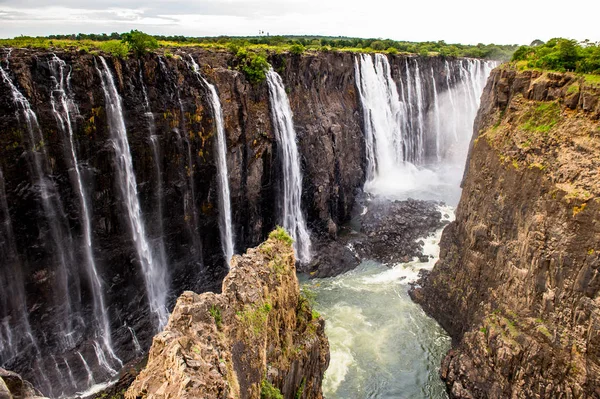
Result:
[259,331]
[518,282]
[381,230]
[12,386]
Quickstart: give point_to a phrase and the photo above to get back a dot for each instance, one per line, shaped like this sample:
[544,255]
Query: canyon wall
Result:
[517,285]
[72,252]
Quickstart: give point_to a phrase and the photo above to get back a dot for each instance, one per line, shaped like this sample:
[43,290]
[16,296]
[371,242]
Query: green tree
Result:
[139,42]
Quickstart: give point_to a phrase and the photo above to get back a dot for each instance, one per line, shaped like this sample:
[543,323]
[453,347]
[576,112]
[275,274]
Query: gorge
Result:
[125,182]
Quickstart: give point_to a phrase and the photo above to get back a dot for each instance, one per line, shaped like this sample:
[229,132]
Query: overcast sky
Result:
[455,21]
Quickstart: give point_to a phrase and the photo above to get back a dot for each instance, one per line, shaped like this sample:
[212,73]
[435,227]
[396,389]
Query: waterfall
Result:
[155,145]
[62,107]
[58,229]
[431,120]
[225,224]
[382,114]
[154,273]
[293,219]
[15,330]
[436,112]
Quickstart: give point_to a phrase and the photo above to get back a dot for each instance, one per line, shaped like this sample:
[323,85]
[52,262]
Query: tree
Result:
[139,42]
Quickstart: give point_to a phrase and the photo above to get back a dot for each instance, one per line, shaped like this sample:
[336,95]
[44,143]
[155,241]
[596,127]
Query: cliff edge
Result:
[258,335]
[517,285]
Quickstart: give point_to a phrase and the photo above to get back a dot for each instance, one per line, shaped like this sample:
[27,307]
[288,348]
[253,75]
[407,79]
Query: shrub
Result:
[297,49]
[392,50]
[268,391]
[139,42]
[115,47]
[280,234]
[215,312]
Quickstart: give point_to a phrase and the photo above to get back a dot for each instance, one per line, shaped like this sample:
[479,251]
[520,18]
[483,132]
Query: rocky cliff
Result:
[517,284]
[259,334]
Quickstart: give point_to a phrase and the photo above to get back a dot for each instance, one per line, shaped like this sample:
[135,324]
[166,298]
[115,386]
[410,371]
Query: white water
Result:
[60,239]
[390,117]
[155,144]
[155,275]
[225,225]
[62,107]
[293,219]
[382,344]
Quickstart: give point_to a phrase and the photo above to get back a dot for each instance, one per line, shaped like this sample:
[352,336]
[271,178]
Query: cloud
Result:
[464,21]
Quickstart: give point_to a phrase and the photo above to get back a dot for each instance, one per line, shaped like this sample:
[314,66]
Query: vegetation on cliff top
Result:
[294,44]
[561,55]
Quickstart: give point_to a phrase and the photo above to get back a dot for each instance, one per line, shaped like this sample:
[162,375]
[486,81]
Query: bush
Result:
[297,49]
[280,234]
[115,47]
[253,65]
[139,42]
[268,391]
[392,50]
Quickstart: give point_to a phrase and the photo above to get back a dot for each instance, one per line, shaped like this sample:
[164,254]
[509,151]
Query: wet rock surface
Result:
[13,386]
[381,230]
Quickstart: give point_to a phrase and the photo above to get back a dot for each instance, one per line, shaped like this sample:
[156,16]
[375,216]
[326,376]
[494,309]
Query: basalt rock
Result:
[259,330]
[517,285]
[385,231]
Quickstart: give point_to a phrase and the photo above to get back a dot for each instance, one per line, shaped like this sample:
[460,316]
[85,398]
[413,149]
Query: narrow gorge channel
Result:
[125,182]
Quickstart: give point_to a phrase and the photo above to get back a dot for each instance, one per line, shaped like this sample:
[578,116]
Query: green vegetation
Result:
[300,390]
[562,55]
[268,391]
[280,234]
[115,47]
[139,42]
[254,318]
[253,65]
[297,49]
[542,118]
[215,312]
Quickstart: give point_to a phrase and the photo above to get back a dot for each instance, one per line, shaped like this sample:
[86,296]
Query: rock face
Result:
[381,230]
[260,330]
[517,285]
[12,386]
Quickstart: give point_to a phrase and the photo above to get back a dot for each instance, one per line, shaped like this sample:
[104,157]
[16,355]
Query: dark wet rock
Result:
[384,231]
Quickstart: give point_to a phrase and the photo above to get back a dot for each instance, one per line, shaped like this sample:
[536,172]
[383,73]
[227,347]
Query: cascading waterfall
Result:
[58,229]
[155,145]
[431,117]
[62,107]
[382,113]
[436,113]
[225,225]
[154,273]
[293,219]
[15,330]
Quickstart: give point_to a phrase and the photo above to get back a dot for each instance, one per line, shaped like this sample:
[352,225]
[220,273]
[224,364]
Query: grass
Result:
[593,80]
[542,118]
[268,391]
[215,313]
[254,318]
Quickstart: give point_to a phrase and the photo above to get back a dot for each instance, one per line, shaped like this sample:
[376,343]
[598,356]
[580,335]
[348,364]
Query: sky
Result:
[456,21]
